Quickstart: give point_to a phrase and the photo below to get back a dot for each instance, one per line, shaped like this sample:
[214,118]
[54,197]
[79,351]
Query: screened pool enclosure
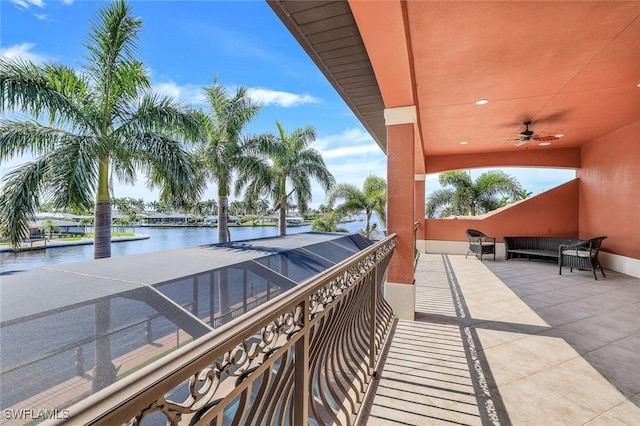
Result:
[72,329]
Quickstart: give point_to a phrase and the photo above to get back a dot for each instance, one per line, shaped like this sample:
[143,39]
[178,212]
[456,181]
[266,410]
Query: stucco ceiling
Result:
[572,68]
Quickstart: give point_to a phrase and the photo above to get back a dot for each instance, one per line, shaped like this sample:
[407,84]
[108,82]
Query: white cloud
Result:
[284,99]
[22,51]
[192,94]
[351,145]
[351,151]
[41,16]
[349,137]
[352,155]
[26,4]
[188,93]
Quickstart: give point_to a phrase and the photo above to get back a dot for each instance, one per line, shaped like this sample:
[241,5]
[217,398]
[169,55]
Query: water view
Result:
[160,239]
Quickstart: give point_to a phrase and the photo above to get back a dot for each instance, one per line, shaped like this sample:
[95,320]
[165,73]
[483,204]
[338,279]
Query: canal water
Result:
[160,239]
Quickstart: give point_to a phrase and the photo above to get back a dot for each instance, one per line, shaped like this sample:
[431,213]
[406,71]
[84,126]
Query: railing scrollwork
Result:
[308,354]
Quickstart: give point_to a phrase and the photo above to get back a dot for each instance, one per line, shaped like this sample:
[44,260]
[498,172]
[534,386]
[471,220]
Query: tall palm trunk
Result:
[102,215]
[282,221]
[367,224]
[102,230]
[223,218]
[105,372]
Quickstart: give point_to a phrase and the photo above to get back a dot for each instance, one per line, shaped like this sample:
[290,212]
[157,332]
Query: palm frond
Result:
[18,138]
[52,91]
[20,199]
[456,178]
[169,167]
[72,173]
[438,199]
[112,41]
[345,191]
[163,114]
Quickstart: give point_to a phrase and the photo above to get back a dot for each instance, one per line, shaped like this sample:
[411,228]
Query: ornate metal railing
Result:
[305,357]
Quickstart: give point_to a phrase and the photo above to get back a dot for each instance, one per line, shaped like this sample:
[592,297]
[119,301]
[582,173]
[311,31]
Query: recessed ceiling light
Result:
[482,102]
[544,143]
[464,143]
[638,85]
[559,135]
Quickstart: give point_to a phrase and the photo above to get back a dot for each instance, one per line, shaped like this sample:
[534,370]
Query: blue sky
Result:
[186,43]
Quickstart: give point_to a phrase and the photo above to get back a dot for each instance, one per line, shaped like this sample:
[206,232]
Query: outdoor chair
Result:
[582,255]
[480,244]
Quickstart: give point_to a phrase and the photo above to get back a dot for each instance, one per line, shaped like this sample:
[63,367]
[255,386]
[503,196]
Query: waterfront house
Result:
[168,219]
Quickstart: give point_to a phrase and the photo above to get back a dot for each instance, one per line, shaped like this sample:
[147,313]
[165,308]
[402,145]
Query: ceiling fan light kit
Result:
[528,135]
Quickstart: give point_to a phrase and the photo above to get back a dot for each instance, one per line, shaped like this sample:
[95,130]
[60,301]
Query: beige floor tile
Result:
[604,421]
[550,407]
[626,413]
[516,358]
[546,363]
[490,337]
[579,381]
[548,350]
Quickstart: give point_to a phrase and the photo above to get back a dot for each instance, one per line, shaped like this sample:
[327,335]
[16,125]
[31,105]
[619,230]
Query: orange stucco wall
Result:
[552,213]
[610,191]
[400,201]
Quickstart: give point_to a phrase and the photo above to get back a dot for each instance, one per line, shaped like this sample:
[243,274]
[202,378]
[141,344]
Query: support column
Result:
[399,288]
[419,188]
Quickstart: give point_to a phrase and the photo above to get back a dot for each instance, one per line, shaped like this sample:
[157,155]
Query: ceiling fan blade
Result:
[546,138]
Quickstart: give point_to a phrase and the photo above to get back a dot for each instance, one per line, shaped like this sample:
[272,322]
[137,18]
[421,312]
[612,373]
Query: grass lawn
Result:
[81,237]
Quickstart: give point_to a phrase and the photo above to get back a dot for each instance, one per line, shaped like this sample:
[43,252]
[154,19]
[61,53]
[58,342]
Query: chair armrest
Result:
[490,239]
[576,246]
[581,249]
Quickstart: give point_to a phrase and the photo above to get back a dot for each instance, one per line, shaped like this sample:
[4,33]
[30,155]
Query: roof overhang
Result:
[569,67]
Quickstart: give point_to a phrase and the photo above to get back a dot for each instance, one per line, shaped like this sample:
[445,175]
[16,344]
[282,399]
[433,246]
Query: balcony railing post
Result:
[372,326]
[148,332]
[79,361]
[301,386]
[194,307]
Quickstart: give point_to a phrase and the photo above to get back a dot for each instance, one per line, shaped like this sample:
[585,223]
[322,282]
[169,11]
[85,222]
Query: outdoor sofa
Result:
[535,247]
[572,253]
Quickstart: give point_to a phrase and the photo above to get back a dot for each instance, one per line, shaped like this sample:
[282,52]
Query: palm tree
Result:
[262,207]
[50,227]
[210,207]
[158,206]
[328,223]
[466,197]
[521,195]
[224,151]
[293,162]
[372,199]
[237,208]
[88,125]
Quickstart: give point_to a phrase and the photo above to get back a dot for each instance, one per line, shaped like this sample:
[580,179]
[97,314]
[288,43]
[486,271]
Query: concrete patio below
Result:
[512,342]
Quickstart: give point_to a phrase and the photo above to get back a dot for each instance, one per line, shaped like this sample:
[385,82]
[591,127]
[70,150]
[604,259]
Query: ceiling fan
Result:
[528,135]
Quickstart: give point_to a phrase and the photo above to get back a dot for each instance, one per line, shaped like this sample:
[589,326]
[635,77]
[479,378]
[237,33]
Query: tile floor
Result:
[513,343]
